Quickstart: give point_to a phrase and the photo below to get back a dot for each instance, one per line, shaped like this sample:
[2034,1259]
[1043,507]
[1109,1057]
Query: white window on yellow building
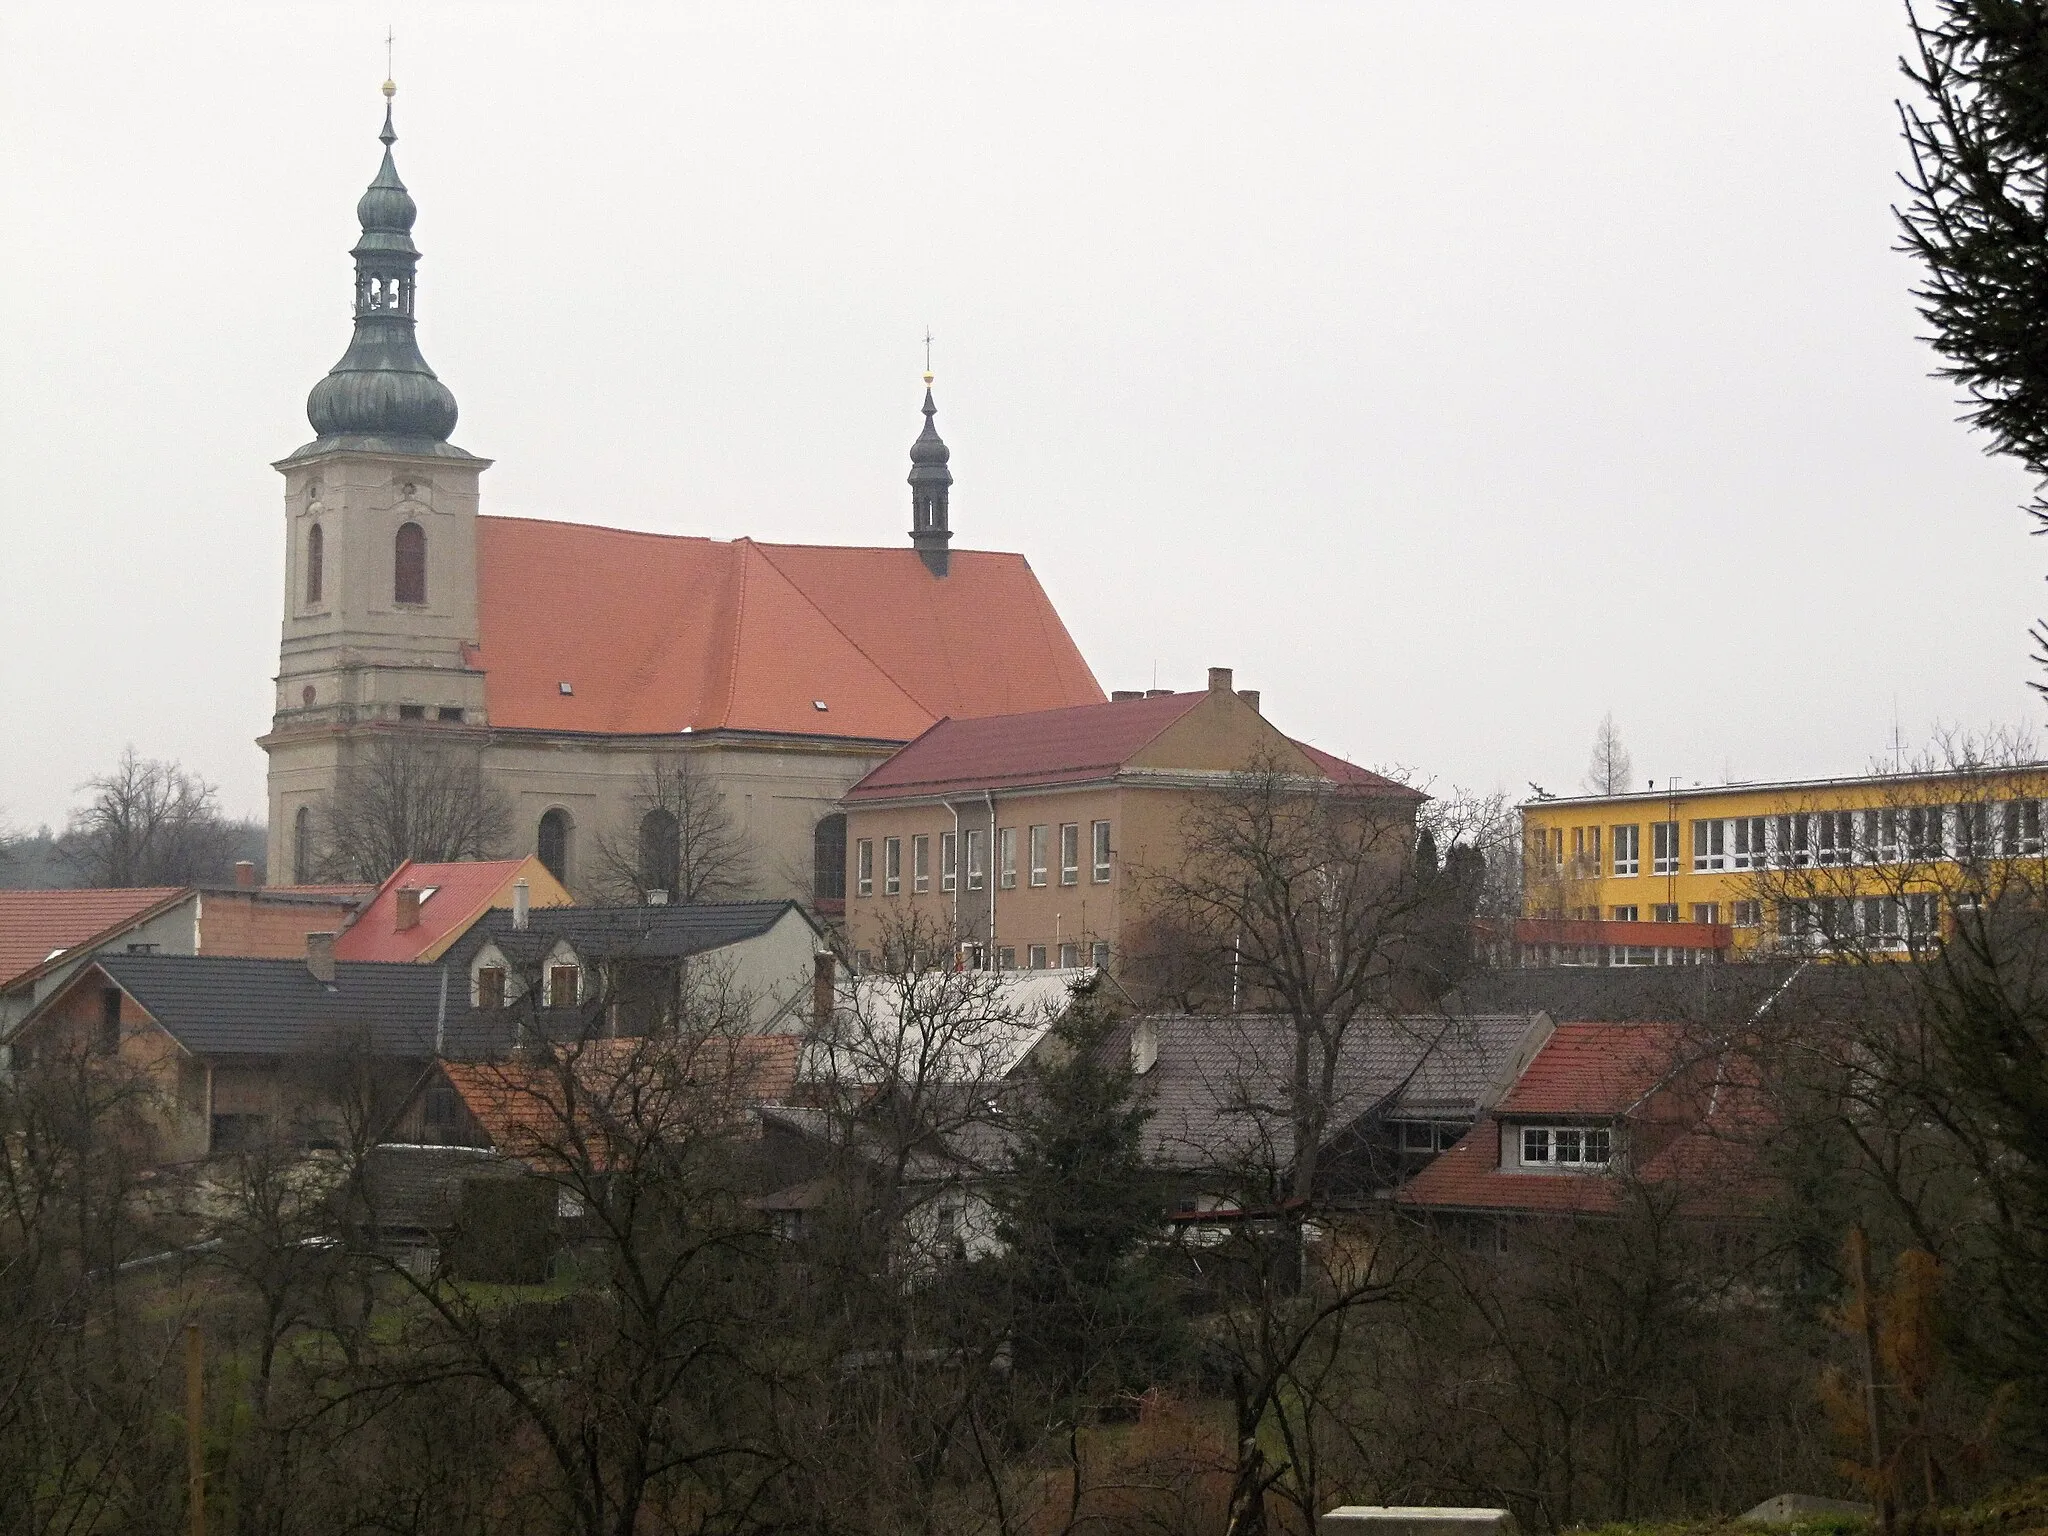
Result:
[1663,847]
[1625,914]
[1749,843]
[1794,842]
[2019,828]
[1628,850]
[1709,845]
[1924,831]
[1706,912]
[1834,837]
[1749,914]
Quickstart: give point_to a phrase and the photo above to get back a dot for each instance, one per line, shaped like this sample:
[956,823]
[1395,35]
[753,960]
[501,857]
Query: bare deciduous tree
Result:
[1611,770]
[404,796]
[150,822]
[680,839]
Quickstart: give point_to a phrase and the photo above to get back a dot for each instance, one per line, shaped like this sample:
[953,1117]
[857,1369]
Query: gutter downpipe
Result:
[441,1014]
[959,878]
[989,795]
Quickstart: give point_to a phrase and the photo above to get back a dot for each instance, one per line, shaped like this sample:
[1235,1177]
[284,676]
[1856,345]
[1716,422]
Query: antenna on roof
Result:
[927,354]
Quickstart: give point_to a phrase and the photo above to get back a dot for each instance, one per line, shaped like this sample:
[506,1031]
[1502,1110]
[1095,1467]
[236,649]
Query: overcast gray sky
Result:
[1456,373]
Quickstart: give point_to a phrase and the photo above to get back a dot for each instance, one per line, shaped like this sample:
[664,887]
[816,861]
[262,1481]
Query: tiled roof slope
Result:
[656,632]
[218,1006]
[606,933]
[1050,747]
[1596,1069]
[521,1105]
[462,893]
[1219,1087]
[1689,1109]
[33,923]
[1053,746]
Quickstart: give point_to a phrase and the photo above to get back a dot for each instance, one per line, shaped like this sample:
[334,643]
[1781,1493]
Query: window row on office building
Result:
[962,862]
[1795,840]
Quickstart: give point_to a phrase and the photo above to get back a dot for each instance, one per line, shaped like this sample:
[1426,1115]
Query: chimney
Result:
[824,987]
[320,956]
[1118,695]
[1251,697]
[245,874]
[1157,693]
[522,898]
[1144,1045]
[1219,679]
[408,908]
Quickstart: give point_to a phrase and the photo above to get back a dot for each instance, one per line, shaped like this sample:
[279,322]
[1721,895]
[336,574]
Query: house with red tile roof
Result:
[1603,1112]
[1019,837]
[575,658]
[46,935]
[422,909]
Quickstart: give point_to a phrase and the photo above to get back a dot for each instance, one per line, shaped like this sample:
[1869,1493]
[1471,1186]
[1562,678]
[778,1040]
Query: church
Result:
[575,657]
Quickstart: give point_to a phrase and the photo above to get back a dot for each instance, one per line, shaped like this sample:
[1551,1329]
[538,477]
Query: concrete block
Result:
[1414,1520]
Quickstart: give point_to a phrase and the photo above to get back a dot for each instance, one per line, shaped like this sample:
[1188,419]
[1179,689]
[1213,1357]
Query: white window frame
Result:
[920,863]
[1070,853]
[892,866]
[864,867]
[949,860]
[1099,838]
[1098,954]
[1749,843]
[1070,955]
[1663,847]
[1006,858]
[1034,957]
[2019,828]
[1748,914]
[1628,850]
[1566,1146]
[1834,838]
[1040,846]
[977,876]
[1791,840]
[1634,913]
[1709,846]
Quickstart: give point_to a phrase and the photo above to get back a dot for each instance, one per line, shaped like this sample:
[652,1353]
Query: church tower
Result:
[380,602]
[931,488]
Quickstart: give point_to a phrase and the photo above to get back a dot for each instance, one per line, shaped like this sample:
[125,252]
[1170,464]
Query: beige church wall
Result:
[775,795]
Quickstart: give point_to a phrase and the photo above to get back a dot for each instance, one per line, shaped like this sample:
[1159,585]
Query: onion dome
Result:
[382,395]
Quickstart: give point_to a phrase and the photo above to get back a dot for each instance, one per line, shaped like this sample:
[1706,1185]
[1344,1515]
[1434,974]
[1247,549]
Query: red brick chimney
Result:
[408,908]
[245,874]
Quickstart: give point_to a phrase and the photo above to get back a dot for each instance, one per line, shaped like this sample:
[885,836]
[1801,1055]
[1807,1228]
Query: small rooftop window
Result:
[567,689]
[819,704]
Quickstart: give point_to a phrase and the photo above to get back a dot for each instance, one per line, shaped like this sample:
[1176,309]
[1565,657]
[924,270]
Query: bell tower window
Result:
[553,843]
[409,584]
[316,551]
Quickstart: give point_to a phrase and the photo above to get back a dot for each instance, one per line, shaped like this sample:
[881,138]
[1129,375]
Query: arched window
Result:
[661,853]
[828,858]
[302,843]
[410,582]
[554,843]
[316,554]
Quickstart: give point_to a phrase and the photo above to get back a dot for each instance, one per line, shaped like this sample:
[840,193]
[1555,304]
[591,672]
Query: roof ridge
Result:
[832,624]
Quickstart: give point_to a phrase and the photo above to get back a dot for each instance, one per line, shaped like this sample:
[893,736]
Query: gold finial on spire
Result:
[390,86]
[927,354]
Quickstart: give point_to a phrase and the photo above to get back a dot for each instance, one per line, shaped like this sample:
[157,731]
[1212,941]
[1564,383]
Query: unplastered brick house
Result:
[1022,837]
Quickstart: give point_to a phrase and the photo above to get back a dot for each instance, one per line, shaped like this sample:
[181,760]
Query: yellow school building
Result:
[1694,875]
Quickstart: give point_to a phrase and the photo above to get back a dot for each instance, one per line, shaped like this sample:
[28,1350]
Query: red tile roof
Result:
[1689,1117]
[1595,1069]
[1051,746]
[462,893]
[519,1104]
[655,632]
[35,923]
[1348,773]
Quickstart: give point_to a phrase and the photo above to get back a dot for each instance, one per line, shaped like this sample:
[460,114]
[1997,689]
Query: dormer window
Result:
[563,983]
[1567,1146]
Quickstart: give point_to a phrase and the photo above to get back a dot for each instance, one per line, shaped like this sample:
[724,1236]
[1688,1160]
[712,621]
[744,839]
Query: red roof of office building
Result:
[1051,747]
[454,897]
[1685,1110]
[35,924]
[653,634]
